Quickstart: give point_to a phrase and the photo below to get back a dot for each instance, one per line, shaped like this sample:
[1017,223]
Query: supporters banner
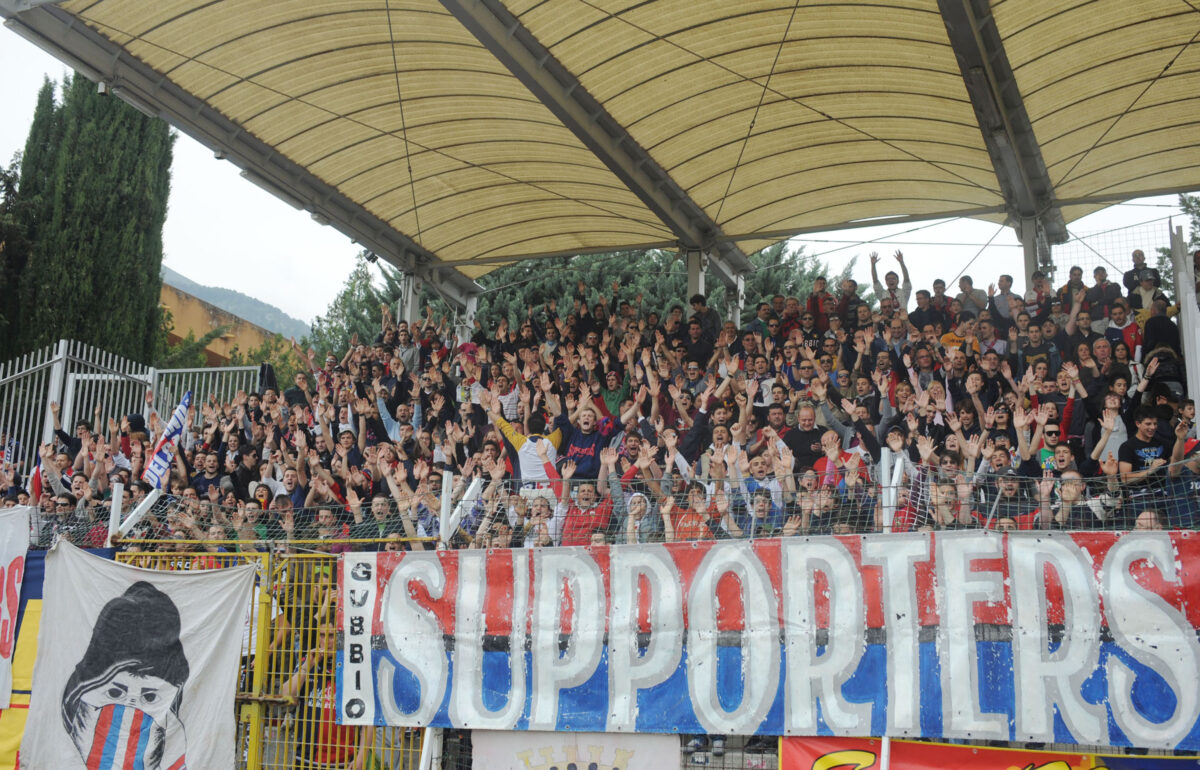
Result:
[135,668]
[14,541]
[866,754]
[1086,638]
[496,750]
[164,451]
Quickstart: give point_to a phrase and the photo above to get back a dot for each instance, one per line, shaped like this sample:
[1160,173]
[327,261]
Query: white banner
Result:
[14,540]
[135,668]
[496,750]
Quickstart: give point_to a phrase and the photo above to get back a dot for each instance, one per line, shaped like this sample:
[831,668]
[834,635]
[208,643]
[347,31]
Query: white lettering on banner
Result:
[816,635]
[466,696]
[759,648]
[811,676]
[553,670]
[897,556]
[1054,679]
[1155,633]
[358,598]
[628,671]
[414,638]
[961,582]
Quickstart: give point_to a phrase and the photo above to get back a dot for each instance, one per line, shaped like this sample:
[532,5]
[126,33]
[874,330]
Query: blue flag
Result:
[159,466]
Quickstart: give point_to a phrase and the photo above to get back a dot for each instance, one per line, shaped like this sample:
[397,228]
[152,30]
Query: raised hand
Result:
[568,469]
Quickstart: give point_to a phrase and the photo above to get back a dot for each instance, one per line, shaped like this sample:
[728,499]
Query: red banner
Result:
[866,754]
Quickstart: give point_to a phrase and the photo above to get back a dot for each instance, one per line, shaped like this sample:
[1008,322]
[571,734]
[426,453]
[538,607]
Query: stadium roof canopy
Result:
[453,136]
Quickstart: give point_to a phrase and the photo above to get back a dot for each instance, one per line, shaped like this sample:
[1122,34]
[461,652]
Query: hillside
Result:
[255,311]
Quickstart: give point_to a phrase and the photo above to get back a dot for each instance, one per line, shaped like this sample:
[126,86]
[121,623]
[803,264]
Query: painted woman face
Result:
[126,723]
[143,692]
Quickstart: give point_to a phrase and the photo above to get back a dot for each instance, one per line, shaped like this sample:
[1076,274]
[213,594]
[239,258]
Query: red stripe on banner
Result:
[131,743]
[643,604]
[99,738]
[499,603]
[179,764]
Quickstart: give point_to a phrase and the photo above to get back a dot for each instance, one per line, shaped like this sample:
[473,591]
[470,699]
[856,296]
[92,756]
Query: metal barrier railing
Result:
[89,384]
[286,682]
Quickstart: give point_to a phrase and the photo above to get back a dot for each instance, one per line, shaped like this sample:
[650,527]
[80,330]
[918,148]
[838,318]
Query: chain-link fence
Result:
[934,493]
[1112,250]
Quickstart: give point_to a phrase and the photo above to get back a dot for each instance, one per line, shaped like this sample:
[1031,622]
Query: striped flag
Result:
[159,466]
[120,740]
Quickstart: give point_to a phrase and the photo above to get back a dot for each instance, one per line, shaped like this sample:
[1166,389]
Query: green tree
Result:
[354,311]
[278,352]
[659,276]
[95,177]
[14,253]
[1166,269]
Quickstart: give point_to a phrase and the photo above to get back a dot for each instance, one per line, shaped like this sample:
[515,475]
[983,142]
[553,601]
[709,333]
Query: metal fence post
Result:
[58,373]
[445,513]
[887,494]
[261,653]
[1189,314]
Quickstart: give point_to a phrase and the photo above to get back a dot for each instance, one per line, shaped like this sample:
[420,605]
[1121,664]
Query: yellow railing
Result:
[287,679]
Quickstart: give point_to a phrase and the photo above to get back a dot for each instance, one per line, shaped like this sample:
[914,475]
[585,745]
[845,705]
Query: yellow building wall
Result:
[190,313]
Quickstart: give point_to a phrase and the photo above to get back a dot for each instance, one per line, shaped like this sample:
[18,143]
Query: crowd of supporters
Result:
[607,421]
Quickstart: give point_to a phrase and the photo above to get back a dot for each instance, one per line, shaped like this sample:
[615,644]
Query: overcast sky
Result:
[222,230]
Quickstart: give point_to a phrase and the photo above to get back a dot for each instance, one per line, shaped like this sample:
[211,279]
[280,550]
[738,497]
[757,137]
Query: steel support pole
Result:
[1028,234]
[410,299]
[695,268]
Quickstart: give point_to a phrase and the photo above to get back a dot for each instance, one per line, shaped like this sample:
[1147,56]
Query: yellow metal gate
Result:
[286,682]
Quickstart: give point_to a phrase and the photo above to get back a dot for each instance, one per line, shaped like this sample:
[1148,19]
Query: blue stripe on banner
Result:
[110,740]
[143,741]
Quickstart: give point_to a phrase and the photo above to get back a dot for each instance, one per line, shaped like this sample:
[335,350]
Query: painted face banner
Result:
[866,754]
[1068,638]
[14,541]
[136,668]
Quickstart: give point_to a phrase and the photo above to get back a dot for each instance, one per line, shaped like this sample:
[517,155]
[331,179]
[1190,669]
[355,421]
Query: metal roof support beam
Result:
[1000,109]
[498,30]
[68,39]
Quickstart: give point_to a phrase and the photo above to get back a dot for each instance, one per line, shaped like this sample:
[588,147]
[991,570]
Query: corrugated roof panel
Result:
[319,85]
[866,113]
[1110,87]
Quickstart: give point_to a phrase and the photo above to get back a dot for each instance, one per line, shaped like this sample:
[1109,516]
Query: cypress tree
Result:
[99,174]
[14,252]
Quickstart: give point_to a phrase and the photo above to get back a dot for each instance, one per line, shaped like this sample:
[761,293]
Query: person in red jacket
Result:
[576,520]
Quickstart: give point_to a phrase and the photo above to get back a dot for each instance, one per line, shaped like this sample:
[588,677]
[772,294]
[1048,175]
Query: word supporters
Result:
[1085,638]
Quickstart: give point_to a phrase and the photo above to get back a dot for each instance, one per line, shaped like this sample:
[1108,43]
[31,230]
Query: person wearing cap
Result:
[1133,277]
[1147,292]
